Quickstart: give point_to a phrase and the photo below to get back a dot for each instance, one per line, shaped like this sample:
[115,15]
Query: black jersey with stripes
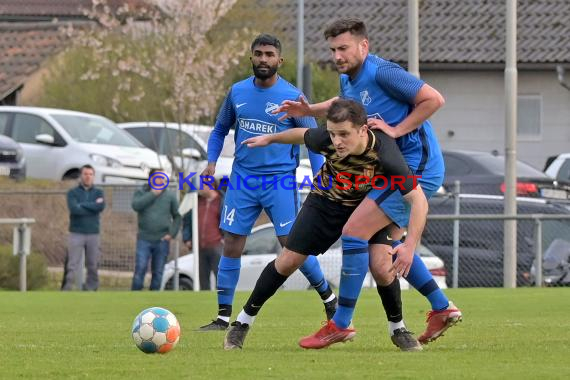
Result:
[343,179]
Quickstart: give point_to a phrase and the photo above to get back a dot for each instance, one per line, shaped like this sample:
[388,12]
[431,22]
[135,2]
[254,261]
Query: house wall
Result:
[474,114]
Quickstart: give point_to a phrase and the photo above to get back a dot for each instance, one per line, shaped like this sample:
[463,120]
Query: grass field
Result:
[522,333]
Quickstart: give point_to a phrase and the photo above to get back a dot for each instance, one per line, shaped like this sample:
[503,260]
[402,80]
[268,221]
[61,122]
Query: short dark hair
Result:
[154,170]
[347,110]
[87,166]
[355,26]
[266,39]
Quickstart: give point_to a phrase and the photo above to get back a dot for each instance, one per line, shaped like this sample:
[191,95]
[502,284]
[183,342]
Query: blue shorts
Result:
[246,196]
[391,201]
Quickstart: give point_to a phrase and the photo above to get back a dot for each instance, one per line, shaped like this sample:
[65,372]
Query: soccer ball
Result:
[156,330]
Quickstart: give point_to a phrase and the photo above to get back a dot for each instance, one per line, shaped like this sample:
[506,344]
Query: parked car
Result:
[481,241]
[12,160]
[163,138]
[484,173]
[555,264]
[56,143]
[262,247]
[559,167]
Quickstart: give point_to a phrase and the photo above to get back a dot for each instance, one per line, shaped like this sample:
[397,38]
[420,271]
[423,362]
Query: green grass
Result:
[522,333]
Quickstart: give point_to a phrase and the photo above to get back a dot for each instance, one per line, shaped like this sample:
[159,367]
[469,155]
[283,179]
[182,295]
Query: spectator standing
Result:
[85,203]
[158,224]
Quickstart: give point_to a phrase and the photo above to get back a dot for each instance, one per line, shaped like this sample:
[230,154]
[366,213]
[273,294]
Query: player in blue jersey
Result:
[399,104]
[261,179]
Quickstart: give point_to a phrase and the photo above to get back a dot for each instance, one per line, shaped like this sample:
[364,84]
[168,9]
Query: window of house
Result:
[529,116]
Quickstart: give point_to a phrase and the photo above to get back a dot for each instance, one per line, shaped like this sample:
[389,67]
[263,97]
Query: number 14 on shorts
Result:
[229,216]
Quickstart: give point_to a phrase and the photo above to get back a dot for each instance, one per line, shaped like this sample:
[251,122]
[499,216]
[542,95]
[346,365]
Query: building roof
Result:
[451,31]
[24,47]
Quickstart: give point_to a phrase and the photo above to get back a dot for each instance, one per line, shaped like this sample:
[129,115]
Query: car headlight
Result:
[105,161]
[19,154]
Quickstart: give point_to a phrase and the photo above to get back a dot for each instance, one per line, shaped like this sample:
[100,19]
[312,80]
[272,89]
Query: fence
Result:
[470,245]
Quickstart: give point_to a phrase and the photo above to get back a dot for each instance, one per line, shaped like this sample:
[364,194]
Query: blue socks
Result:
[312,271]
[421,279]
[228,276]
[354,268]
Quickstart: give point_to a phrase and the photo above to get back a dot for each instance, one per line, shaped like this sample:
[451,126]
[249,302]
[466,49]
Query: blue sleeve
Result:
[226,118]
[316,159]
[399,83]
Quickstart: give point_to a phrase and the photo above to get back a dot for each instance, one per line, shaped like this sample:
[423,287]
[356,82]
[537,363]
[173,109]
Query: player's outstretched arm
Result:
[292,136]
[302,108]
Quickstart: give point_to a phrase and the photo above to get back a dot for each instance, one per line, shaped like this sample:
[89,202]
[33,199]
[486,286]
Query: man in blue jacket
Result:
[85,203]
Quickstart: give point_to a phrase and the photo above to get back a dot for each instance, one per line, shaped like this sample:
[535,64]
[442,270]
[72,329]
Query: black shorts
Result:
[319,225]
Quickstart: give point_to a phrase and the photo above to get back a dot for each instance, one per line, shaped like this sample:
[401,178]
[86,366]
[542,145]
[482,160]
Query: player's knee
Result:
[383,277]
[288,262]
[233,245]
[350,229]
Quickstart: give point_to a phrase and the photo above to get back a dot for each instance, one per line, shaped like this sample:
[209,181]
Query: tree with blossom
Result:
[162,54]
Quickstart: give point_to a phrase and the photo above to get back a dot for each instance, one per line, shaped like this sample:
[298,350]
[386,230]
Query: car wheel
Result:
[184,283]
[71,175]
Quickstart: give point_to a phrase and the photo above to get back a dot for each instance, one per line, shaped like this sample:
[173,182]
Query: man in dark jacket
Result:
[85,203]
[158,223]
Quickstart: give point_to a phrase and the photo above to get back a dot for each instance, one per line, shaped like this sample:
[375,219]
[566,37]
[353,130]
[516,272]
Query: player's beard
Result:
[271,70]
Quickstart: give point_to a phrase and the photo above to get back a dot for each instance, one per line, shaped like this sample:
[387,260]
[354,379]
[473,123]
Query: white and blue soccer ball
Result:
[156,330]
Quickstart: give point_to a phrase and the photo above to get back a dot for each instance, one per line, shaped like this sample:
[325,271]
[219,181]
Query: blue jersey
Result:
[387,91]
[248,108]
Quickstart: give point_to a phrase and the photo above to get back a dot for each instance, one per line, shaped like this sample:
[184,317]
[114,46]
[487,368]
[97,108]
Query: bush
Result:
[36,270]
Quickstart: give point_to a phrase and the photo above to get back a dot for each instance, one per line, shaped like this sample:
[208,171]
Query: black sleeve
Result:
[318,140]
[393,163]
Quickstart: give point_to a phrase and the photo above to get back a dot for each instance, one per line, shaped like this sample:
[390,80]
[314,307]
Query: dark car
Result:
[481,241]
[12,161]
[484,173]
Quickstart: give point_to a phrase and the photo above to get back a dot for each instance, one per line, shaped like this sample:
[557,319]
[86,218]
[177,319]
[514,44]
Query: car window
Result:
[564,172]
[27,127]
[229,147]
[455,166]
[262,242]
[175,139]
[496,165]
[146,137]
[3,123]
[95,130]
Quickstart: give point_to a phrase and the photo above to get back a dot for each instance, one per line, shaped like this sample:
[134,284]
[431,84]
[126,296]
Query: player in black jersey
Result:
[353,153]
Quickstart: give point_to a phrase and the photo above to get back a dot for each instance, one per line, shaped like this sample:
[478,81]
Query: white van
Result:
[57,143]
[165,138]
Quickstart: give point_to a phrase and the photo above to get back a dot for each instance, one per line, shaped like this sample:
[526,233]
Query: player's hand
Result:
[293,108]
[257,141]
[188,244]
[167,237]
[210,170]
[382,126]
[404,259]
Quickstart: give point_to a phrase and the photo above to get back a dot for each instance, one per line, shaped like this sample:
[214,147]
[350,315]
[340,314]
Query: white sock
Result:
[395,326]
[243,317]
[225,319]
[331,297]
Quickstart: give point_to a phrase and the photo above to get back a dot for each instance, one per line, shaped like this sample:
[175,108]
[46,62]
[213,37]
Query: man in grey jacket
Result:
[85,203]
[158,223]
